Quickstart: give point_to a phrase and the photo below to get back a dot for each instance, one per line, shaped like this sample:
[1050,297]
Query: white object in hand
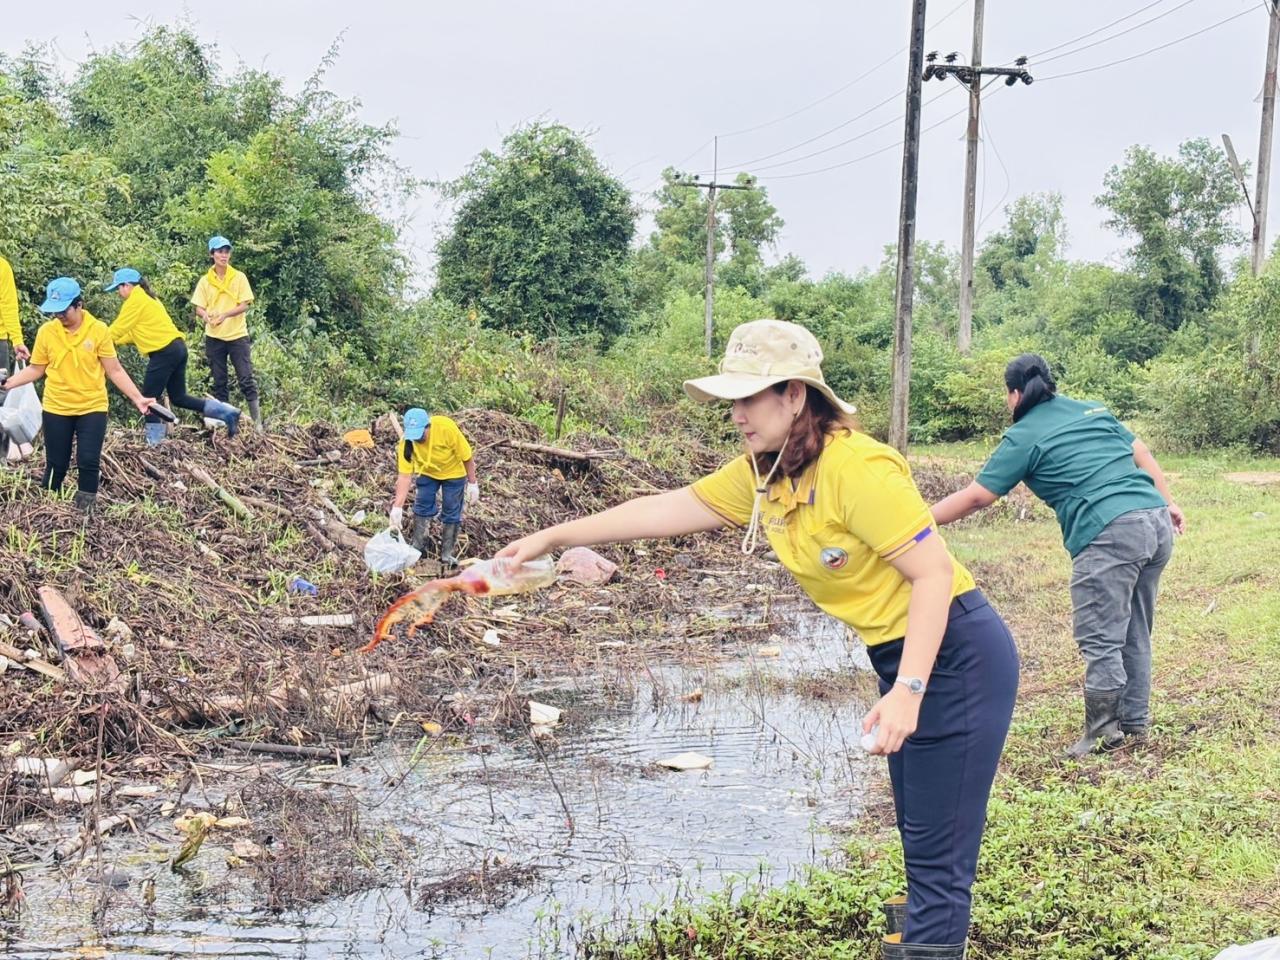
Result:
[396,517]
[473,493]
[868,740]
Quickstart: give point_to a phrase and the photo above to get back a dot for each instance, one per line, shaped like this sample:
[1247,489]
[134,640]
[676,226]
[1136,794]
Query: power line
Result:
[1115,36]
[1086,36]
[865,156]
[858,79]
[1163,46]
[844,143]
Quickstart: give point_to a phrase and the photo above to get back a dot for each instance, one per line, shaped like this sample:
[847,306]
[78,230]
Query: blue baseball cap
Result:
[218,242]
[416,422]
[123,275]
[59,295]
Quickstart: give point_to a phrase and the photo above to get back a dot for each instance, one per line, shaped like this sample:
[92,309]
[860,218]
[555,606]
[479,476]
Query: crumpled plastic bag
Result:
[21,415]
[1262,950]
[583,565]
[386,552]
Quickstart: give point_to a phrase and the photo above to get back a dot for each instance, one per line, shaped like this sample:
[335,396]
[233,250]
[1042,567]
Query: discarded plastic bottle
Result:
[492,578]
[298,585]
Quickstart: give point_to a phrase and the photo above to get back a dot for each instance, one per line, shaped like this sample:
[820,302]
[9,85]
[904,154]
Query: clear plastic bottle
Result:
[496,577]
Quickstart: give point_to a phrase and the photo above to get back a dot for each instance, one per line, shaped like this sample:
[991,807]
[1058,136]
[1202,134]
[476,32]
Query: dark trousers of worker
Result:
[217,352]
[942,775]
[7,358]
[451,491]
[167,372]
[87,430]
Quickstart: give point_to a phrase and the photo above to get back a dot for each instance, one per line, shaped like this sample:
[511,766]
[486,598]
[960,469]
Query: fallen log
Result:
[84,655]
[36,666]
[340,754]
[222,493]
[581,457]
[69,848]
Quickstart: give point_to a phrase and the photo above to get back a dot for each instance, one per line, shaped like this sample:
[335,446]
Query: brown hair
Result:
[817,420]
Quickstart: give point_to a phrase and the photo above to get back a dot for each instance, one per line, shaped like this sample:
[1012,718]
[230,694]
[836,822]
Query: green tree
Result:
[1179,210]
[541,237]
[1032,239]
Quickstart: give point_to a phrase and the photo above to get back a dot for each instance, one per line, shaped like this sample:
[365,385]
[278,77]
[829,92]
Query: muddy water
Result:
[786,768]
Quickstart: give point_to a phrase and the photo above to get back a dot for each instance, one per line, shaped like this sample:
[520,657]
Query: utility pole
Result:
[1264,143]
[971,75]
[964,336]
[709,273]
[907,236]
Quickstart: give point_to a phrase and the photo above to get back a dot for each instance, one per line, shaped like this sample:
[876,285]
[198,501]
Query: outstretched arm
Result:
[662,515]
[960,504]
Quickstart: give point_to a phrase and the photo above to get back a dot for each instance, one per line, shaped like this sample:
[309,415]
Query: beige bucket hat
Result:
[760,354]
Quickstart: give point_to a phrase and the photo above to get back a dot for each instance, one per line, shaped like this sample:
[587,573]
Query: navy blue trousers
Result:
[942,775]
[451,491]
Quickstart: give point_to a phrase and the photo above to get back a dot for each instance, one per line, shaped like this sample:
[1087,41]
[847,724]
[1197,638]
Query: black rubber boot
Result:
[1101,723]
[892,948]
[255,413]
[420,535]
[449,544]
[86,503]
[895,914]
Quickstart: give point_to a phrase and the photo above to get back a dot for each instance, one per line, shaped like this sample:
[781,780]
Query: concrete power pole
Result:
[1264,144]
[964,338]
[907,236]
[709,272]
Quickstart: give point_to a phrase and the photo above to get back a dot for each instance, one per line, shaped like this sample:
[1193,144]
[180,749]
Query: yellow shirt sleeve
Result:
[460,445]
[122,328]
[729,492]
[10,324]
[201,297]
[403,466]
[880,504]
[40,352]
[244,292]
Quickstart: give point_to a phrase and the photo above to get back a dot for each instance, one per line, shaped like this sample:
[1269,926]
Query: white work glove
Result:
[396,517]
[473,493]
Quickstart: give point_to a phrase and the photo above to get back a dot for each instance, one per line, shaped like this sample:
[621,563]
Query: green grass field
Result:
[1170,849]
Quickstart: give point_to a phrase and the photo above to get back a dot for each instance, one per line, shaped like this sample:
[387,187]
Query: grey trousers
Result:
[1114,581]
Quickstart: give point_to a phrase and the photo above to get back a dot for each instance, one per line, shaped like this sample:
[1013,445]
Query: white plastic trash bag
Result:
[386,552]
[1262,950]
[20,416]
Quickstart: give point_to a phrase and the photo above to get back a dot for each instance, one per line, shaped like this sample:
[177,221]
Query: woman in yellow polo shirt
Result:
[221,298]
[844,516]
[75,351]
[144,321]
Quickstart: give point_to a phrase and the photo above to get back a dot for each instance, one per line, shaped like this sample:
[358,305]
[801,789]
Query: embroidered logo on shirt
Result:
[833,558]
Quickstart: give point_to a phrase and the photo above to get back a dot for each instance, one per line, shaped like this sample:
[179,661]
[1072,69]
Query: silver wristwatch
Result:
[914,684]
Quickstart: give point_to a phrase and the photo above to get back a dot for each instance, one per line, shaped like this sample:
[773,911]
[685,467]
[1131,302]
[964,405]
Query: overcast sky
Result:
[653,82]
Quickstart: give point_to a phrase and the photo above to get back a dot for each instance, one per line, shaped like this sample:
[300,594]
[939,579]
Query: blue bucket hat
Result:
[218,242]
[59,295]
[123,275]
[416,422]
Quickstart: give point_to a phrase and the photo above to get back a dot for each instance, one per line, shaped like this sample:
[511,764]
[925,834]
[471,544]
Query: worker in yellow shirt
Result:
[434,450]
[221,298]
[844,516]
[11,342]
[145,322]
[76,352]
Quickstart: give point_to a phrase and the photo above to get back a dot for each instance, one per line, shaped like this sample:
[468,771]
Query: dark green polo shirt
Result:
[1077,458]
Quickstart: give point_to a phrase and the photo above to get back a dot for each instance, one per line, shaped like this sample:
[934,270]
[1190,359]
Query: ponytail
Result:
[146,288]
[1029,374]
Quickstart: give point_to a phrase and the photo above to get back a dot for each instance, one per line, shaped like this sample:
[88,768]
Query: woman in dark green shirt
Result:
[1118,520]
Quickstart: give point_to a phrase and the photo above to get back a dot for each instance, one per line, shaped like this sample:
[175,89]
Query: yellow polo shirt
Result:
[10,326]
[74,380]
[145,322]
[220,295]
[440,454]
[836,529]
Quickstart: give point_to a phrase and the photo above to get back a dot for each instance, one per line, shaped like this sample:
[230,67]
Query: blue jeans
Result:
[1114,581]
[942,775]
[451,491]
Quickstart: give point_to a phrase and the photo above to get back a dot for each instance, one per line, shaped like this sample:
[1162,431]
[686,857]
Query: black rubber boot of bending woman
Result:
[892,948]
